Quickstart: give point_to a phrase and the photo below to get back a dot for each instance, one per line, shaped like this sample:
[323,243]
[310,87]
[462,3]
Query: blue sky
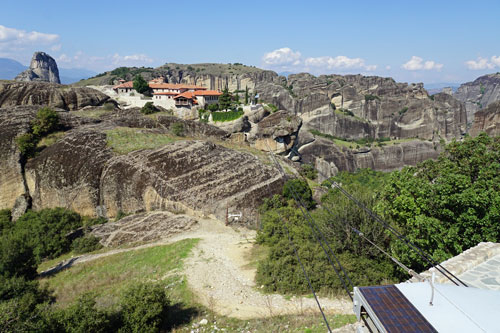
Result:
[412,41]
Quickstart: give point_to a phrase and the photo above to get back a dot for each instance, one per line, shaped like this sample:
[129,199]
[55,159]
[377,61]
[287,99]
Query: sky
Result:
[411,41]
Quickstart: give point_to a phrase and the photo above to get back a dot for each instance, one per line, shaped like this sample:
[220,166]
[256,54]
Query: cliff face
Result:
[42,68]
[49,94]
[479,94]
[81,172]
[487,120]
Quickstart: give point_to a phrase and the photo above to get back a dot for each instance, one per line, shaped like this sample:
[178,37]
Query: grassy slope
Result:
[124,140]
[109,276]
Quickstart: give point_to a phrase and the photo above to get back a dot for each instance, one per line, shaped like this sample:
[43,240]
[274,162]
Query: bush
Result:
[87,243]
[5,220]
[308,171]
[149,108]
[298,188]
[177,129]
[370,97]
[17,256]
[226,116]
[46,121]
[46,231]
[82,316]
[144,308]
[27,144]
[109,106]
[403,110]
[213,107]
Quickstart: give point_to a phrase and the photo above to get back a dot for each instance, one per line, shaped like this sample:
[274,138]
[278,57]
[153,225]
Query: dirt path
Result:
[217,271]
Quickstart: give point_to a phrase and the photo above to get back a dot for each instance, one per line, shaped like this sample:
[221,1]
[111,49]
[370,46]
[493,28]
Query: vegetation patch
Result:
[109,276]
[370,97]
[45,122]
[124,140]
[227,116]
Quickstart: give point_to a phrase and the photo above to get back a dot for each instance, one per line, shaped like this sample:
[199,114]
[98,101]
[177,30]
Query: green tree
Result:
[247,95]
[225,100]
[236,98]
[17,257]
[448,205]
[140,85]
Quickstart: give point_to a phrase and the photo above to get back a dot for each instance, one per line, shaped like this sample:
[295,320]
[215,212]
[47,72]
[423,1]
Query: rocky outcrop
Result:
[13,122]
[143,227]
[479,94]
[329,158]
[80,172]
[487,120]
[49,94]
[42,68]
[355,106]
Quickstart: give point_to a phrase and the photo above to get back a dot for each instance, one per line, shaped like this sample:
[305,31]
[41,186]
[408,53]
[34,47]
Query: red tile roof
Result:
[129,84]
[207,93]
[186,94]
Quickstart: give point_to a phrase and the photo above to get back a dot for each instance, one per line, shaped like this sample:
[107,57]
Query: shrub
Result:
[273,108]
[144,307]
[27,144]
[370,97]
[85,244]
[298,189]
[226,116]
[213,107]
[177,129]
[82,316]
[46,230]
[109,106]
[149,108]
[5,220]
[308,171]
[16,256]
[46,121]
[403,110]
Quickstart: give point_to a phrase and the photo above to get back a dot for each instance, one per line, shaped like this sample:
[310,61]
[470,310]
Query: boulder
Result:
[42,68]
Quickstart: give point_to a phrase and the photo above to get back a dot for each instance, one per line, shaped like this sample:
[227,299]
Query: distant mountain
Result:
[72,75]
[9,68]
[434,88]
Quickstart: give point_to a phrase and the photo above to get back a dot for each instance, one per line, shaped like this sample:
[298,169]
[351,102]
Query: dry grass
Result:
[109,276]
[51,139]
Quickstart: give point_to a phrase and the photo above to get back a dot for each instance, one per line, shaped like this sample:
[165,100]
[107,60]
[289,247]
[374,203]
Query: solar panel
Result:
[394,311]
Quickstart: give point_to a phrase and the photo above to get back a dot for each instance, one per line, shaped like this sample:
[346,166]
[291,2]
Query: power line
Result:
[316,231]
[400,236]
[285,225]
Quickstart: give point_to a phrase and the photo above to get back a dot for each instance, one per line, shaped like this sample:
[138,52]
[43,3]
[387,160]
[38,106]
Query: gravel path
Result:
[217,271]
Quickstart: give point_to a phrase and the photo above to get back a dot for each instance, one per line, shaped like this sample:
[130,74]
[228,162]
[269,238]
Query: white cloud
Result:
[17,43]
[283,56]
[388,67]
[483,63]
[285,59]
[339,63]
[417,63]
[102,63]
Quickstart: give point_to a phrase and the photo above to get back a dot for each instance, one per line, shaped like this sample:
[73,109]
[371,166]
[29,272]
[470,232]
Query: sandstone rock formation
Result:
[479,94]
[42,68]
[49,94]
[81,172]
[142,227]
[487,120]
[329,158]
